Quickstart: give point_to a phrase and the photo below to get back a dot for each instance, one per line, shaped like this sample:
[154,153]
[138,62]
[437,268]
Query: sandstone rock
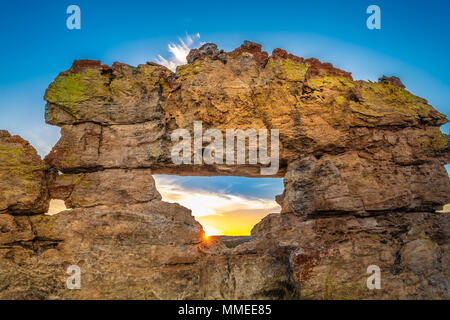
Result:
[421,256]
[78,147]
[121,94]
[103,188]
[250,49]
[363,165]
[127,246]
[23,184]
[15,229]
[144,251]
[318,69]
[355,184]
[282,54]
[395,81]
[207,50]
[91,146]
[330,256]
[316,107]
[446,157]
[299,186]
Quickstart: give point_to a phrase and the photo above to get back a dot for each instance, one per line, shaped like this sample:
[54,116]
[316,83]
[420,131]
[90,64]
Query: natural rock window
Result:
[363,167]
[56,206]
[224,206]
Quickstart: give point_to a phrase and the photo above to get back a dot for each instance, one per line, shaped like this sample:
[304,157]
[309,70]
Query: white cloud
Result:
[205,203]
[179,52]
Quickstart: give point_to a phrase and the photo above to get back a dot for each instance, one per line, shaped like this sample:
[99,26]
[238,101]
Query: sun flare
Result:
[218,213]
[210,231]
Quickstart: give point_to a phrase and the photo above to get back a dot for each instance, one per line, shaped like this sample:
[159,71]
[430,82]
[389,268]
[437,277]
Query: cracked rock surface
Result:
[363,167]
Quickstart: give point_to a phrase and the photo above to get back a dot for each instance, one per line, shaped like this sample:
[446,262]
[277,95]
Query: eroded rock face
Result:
[105,188]
[22,177]
[329,257]
[91,92]
[348,183]
[375,146]
[121,251]
[363,165]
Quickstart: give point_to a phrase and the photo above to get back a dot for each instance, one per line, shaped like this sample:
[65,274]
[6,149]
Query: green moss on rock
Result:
[437,143]
[331,83]
[189,69]
[334,290]
[69,89]
[288,69]
[10,155]
[163,84]
[391,99]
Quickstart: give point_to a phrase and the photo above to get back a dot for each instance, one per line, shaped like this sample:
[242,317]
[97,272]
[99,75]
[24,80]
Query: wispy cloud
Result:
[219,213]
[179,51]
[204,202]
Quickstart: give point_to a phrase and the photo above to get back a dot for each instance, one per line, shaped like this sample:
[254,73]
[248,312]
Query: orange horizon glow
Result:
[221,222]
[230,224]
[219,214]
[238,222]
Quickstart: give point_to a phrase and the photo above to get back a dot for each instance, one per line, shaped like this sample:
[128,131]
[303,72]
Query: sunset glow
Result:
[219,213]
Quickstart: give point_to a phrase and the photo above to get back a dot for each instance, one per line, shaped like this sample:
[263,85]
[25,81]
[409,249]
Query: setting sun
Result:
[210,231]
[219,213]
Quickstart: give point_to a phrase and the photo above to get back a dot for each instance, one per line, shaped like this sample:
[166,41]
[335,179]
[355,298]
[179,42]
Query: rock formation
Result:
[22,177]
[363,165]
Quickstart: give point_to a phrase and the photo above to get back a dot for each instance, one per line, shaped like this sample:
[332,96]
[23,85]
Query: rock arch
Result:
[363,164]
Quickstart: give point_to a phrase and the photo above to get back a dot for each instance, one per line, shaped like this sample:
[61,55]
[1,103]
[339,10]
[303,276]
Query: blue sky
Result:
[413,44]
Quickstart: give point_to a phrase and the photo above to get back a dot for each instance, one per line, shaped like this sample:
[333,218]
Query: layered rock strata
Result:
[363,165]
